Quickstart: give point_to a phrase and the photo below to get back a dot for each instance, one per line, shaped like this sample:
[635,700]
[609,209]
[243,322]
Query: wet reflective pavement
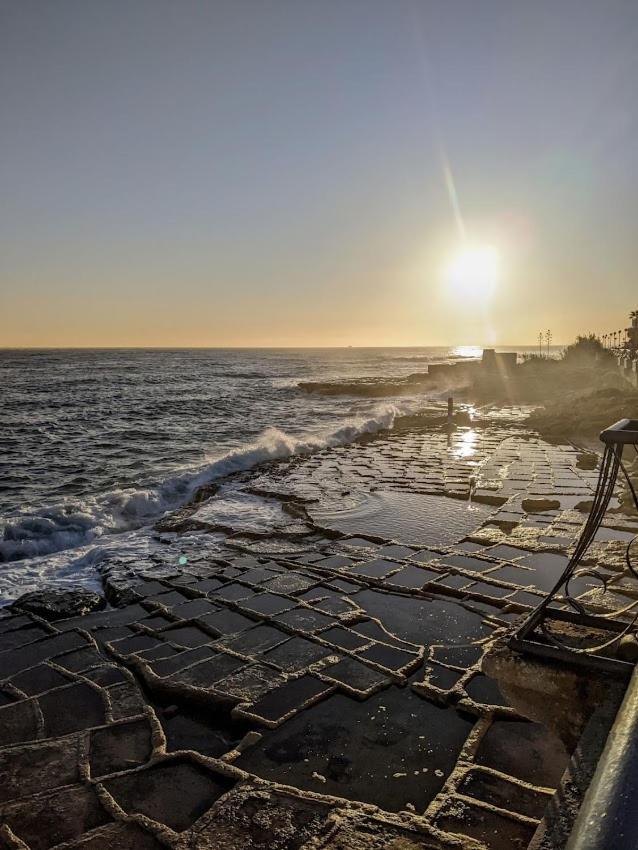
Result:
[325,660]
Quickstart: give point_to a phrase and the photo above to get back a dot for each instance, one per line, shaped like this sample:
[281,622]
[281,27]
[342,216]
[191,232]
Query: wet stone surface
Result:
[328,655]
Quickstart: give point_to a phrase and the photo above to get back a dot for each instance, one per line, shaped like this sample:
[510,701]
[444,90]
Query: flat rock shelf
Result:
[320,682]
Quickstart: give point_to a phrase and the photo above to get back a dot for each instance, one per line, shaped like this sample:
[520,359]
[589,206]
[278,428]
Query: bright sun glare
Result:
[473,273]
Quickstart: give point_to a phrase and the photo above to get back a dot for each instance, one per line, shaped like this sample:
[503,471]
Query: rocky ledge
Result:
[329,685]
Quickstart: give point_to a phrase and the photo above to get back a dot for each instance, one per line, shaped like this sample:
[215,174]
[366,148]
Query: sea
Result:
[97,445]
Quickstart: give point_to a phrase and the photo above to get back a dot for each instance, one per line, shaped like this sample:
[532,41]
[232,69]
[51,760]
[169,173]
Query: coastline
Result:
[323,618]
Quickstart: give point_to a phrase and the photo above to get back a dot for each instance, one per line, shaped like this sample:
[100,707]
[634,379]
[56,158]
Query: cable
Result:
[610,465]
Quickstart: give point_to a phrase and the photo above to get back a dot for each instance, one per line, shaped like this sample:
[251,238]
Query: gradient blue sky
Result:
[273,173]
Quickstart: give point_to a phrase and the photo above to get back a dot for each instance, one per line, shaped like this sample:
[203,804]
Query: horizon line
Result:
[260,347]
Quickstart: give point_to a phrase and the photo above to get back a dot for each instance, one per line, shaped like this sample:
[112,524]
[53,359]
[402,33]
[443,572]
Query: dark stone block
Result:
[467,562]
[168,599]
[489,590]
[188,732]
[22,637]
[255,640]
[158,652]
[458,656]
[343,585]
[320,593]
[194,608]
[370,629]
[207,585]
[126,701]
[514,575]
[206,673]
[71,709]
[441,677]
[290,583]
[259,575]
[292,696]
[246,561]
[424,556]
[107,675]
[226,622]
[453,581]
[335,562]
[45,821]
[387,656]
[232,592]
[378,568]
[175,793]
[118,836]
[267,603]
[37,767]
[18,722]
[119,747]
[149,588]
[186,636]
[305,620]
[296,654]
[104,619]
[32,654]
[250,682]
[12,622]
[485,690]
[168,666]
[334,606]
[159,621]
[524,597]
[355,675]
[344,638]
[80,660]
[38,679]
[111,633]
[412,578]
[135,643]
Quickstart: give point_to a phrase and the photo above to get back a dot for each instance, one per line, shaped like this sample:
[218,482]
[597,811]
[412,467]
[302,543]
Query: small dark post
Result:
[450,409]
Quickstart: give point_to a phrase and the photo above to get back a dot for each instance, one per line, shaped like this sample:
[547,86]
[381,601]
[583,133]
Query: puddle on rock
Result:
[393,749]
[406,517]
[422,621]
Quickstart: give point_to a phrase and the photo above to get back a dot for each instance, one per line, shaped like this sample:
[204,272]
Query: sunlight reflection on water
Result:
[467,351]
[465,444]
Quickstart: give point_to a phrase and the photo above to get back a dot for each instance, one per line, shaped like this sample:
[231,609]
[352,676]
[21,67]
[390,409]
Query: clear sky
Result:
[264,172]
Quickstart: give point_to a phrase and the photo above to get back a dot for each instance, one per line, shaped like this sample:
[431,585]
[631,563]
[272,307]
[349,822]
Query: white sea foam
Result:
[133,550]
[34,533]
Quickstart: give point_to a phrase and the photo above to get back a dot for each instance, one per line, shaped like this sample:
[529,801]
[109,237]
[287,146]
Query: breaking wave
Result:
[67,525]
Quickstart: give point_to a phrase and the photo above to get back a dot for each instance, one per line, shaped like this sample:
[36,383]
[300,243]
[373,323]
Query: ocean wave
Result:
[418,358]
[32,533]
[371,387]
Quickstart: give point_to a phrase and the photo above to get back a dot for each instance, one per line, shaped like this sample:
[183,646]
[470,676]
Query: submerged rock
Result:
[58,604]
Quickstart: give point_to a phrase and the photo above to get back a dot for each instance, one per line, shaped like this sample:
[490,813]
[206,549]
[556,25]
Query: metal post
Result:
[608,816]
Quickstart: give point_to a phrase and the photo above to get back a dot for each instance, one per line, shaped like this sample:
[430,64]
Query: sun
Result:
[473,273]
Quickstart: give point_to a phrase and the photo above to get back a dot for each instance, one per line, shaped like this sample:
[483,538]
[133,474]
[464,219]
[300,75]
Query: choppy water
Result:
[96,445]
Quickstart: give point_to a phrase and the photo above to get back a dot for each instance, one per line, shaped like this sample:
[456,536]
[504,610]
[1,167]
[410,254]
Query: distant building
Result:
[502,363]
